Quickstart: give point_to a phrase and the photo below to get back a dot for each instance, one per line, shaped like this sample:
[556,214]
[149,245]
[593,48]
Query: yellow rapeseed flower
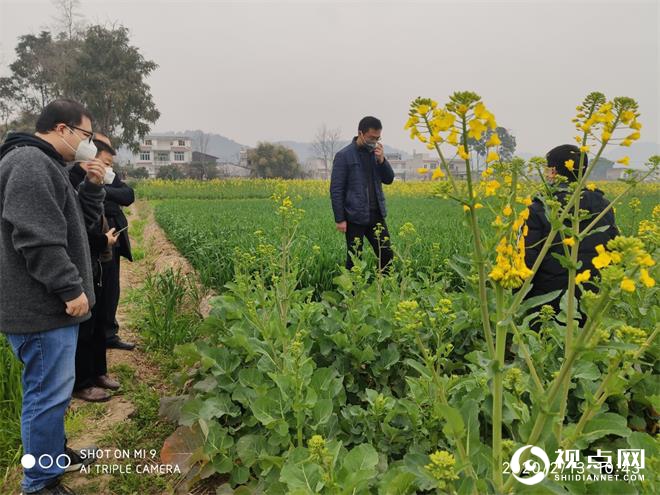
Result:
[476,129]
[645,260]
[569,164]
[492,187]
[624,161]
[480,111]
[585,148]
[627,116]
[603,259]
[583,277]
[507,211]
[627,284]
[437,173]
[645,278]
[494,140]
[423,109]
[492,156]
[462,153]
[591,186]
[568,241]
[422,170]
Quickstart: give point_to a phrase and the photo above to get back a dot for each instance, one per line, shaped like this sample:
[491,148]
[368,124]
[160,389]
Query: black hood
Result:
[19,139]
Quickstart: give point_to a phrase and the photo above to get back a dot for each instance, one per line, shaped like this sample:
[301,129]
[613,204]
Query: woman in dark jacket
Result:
[551,276]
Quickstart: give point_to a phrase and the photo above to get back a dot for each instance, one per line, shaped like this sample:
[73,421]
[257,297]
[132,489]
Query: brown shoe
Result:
[92,394]
[104,381]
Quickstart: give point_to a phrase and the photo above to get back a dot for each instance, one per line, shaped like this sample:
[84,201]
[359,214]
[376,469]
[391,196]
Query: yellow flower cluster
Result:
[624,263]
[630,334]
[510,270]
[433,125]
[599,119]
[409,316]
[442,467]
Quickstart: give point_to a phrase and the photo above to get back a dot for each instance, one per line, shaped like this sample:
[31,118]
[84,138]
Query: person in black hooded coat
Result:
[551,276]
[117,195]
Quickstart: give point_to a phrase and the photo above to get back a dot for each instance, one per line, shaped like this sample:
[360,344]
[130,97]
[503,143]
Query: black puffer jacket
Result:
[551,275]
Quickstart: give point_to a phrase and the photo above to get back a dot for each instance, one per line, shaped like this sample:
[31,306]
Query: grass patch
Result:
[144,430]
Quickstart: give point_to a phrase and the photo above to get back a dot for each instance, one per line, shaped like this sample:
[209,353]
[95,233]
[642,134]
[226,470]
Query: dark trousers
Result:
[90,352]
[110,295]
[380,243]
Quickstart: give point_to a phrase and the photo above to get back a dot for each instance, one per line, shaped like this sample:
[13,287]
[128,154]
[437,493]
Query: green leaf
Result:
[388,357]
[217,407]
[302,477]
[267,409]
[344,282]
[586,370]
[455,425]
[190,412]
[248,448]
[397,481]
[217,440]
[638,440]
[535,301]
[322,412]
[240,475]
[601,425]
[358,469]
[565,261]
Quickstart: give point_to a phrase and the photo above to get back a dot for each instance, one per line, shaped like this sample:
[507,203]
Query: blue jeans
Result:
[49,360]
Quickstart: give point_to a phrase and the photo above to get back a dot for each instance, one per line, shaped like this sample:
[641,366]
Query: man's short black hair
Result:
[369,123]
[558,156]
[103,146]
[61,111]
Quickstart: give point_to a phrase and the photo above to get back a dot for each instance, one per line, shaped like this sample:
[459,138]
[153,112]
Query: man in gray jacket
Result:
[46,287]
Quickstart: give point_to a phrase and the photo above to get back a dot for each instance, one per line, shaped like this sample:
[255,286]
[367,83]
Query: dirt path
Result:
[94,424]
[160,254]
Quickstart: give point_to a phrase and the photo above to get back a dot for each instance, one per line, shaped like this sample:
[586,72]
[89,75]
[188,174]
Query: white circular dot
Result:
[28,461]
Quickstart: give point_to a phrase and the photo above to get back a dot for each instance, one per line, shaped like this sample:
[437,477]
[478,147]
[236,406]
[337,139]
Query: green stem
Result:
[498,389]
[602,394]
[528,359]
[565,369]
[462,455]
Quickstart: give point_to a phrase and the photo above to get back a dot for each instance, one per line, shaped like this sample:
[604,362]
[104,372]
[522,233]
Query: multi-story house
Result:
[157,151]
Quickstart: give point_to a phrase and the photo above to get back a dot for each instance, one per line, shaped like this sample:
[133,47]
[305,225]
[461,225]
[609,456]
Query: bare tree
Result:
[201,141]
[68,21]
[325,145]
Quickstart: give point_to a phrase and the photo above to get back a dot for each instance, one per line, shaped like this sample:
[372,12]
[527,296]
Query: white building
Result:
[406,170]
[157,151]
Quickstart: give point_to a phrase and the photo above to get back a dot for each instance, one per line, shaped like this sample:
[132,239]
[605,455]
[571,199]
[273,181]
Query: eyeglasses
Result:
[88,135]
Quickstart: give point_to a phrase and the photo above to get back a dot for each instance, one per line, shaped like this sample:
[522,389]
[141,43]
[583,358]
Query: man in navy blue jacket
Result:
[356,189]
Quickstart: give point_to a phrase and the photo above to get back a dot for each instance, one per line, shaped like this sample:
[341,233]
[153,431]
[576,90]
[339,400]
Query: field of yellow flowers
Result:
[440,377]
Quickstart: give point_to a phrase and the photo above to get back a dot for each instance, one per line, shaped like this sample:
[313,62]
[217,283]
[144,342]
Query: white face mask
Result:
[85,152]
[109,176]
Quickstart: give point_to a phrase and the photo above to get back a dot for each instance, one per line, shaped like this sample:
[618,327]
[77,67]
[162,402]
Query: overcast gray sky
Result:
[275,70]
